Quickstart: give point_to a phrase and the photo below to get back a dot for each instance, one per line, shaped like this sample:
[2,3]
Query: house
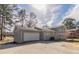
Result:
[59,32]
[8,34]
[23,34]
[72,33]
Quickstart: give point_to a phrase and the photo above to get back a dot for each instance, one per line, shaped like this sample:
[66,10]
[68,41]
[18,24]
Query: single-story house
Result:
[22,34]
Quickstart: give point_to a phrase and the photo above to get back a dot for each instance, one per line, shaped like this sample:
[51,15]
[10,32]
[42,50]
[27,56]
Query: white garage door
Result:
[31,36]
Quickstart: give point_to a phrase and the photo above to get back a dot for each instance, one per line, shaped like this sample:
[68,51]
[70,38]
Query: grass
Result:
[6,40]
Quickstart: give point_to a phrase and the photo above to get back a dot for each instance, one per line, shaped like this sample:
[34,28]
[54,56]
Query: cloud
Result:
[49,23]
[53,14]
[47,13]
[73,13]
[68,14]
[50,14]
[40,7]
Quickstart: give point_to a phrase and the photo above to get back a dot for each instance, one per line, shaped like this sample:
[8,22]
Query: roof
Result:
[29,29]
[34,29]
[72,30]
[44,29]
[26,29]
[38,28]
[47,30]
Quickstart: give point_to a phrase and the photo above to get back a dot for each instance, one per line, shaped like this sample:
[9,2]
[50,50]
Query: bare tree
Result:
[22,15]
[28,18]
[32,21]
[6,15]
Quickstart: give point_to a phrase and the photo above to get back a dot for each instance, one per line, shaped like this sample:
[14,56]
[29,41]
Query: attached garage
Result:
[26,34]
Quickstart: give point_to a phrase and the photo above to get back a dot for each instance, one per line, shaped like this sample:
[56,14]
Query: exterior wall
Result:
[56,36]
[18,36]
[46,35]
[73,33]
[60,33]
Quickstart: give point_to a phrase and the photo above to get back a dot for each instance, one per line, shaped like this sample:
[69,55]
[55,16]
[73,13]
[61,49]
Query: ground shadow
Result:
[13,44]
[72,41]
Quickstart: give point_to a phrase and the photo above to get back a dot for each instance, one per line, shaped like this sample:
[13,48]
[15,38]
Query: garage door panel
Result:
[31,36]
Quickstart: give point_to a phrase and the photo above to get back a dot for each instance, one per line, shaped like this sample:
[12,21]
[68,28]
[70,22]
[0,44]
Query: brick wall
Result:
[72,33]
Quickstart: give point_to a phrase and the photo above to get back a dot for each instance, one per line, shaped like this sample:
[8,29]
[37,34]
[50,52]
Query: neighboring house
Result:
[8,34]
[72,33]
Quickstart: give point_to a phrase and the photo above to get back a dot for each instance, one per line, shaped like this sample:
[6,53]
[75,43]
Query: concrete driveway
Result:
[45,47]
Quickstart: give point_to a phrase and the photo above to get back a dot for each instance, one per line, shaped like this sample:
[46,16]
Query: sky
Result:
[52,14]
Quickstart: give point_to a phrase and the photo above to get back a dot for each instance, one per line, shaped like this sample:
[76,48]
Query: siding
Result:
[46,34]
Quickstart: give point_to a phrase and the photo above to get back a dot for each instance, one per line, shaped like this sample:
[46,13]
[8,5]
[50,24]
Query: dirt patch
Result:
[71,45]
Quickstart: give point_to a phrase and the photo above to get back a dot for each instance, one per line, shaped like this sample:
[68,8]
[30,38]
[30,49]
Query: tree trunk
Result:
[1,34]
[1,28]
[2,18]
